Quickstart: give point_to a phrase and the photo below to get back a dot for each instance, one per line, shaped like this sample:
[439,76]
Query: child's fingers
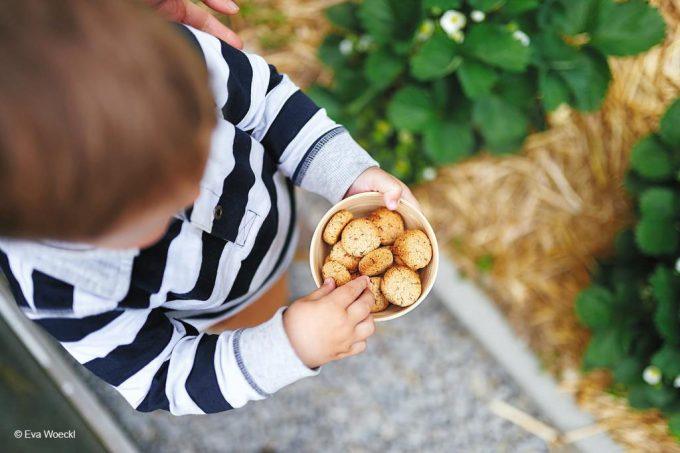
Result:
[222,6]
[356,348]
[360,308]
[392,197]
[325,289]
[349,292]
[199,18]
[365,329]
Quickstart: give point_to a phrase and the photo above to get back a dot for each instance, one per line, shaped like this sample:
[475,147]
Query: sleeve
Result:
[161,363]
[311,149]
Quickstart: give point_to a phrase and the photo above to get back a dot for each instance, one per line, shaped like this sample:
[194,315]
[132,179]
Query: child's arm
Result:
[157,362]
[311,149]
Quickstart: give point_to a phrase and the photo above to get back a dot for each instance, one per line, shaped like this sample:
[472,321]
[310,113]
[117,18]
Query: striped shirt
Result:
[136,318]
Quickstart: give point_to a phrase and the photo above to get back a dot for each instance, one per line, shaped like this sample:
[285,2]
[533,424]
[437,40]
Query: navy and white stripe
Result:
[135,318]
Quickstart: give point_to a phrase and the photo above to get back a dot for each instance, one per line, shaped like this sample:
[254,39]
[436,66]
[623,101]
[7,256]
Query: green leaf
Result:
[441,5]
[628,371]
[329,52]
[627,28]
[382,68]
[594,306]
[486,5]
[325,99]
[517,7]
[411,109]
[554,91]
[588,80]
[674,425]
[637,397]
[378,19]
[436,58]
[568,17]
[669,129]
[650,159]
[665,290]
[668,361]
[477,79]
[448,141]
[655,237]
[658,203]
[624,244]
[344,15]
[502,125]
[661,396]
[606,348]
[495,45]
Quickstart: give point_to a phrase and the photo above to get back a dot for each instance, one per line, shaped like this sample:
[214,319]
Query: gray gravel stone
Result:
[423,385]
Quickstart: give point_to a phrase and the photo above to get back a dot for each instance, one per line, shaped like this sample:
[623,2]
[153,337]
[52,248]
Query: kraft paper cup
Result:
[362,205]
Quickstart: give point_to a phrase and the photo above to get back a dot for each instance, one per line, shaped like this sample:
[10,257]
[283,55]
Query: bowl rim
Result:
[425,226]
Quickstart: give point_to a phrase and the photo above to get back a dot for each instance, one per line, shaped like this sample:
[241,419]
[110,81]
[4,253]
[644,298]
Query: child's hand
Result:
[330,323]
[376,180]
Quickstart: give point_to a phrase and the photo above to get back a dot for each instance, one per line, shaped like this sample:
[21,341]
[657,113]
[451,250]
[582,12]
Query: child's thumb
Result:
[326,288]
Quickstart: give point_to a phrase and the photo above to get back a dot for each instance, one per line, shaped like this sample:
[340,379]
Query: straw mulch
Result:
[543,217]
[287,33]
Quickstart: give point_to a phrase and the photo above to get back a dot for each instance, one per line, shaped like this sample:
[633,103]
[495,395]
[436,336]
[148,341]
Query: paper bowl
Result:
[361,205]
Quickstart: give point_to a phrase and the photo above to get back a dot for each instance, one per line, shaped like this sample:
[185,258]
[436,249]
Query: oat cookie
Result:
[336,271]
[360,236]
[413,248]
[389,223]
[380,303]
[334,227]
[401,286]
[339,254]
[376,262]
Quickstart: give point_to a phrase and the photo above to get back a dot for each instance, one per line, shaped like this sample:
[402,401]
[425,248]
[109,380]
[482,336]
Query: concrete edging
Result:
[478,313]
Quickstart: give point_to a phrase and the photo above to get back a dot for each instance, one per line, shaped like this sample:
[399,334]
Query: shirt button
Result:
[217,213]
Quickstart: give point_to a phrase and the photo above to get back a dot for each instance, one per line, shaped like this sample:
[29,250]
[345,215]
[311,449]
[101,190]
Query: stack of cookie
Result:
[380,247]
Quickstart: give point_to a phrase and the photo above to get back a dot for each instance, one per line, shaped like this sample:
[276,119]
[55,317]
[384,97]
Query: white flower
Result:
[452,21]
[346,47]
[676,382]
[522,37]
[677,265]
[425,30]
[429,173]
[652,375]
[457,36]
[477,15]
[364,43]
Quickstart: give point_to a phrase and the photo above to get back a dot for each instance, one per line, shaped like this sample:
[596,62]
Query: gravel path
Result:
[423,385]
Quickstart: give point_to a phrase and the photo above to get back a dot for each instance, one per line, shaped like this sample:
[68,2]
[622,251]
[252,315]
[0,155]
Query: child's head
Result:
[105,119]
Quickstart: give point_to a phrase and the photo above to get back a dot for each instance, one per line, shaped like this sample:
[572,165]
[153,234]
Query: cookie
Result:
[397,260]
[413,249]
[360,236]
[401,286]
[336,271]
[339,254]
[376,262]
[380,303]
[334,227]
[390,224]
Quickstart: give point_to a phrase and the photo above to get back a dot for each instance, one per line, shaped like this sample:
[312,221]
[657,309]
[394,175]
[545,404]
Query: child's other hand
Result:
[330,323]
[376,180]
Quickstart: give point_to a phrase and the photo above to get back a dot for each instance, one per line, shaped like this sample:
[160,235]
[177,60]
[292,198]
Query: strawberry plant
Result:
[428,82]
[633,304]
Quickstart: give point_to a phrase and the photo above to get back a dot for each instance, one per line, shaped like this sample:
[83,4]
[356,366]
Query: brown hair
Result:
[101,109]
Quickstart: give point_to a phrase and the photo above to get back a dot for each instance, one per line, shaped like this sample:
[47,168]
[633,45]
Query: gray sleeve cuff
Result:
[267,358]
[332,164]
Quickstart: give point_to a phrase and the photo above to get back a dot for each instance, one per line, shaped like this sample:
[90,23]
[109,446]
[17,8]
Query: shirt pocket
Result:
[225,216]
